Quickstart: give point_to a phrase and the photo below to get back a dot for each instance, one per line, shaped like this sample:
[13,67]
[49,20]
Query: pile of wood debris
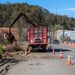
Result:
[12,48]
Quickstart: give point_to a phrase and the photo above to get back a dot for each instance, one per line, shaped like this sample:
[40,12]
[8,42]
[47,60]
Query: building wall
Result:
[67,33]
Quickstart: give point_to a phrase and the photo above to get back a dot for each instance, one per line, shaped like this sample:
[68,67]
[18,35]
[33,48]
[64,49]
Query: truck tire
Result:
[44,48]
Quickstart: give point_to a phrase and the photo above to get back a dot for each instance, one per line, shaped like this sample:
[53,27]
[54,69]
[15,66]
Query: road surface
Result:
[46,63]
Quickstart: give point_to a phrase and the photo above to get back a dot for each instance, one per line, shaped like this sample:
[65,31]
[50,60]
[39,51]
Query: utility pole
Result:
[63,34]
[64,23]
[56,19]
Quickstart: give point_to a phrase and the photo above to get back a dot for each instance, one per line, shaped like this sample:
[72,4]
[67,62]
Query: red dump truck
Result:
[37,38]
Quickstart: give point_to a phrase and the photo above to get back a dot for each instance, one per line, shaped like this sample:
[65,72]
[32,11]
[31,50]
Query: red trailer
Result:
[37,38]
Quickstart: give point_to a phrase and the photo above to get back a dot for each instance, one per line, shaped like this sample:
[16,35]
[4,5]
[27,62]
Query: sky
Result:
[60,7]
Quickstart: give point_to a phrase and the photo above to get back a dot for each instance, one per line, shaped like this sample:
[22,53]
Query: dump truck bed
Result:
[37,35]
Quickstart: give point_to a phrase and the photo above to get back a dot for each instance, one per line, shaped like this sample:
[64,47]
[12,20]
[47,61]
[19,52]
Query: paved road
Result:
[46,63]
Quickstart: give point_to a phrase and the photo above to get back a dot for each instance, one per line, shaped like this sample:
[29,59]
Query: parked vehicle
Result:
[55,41]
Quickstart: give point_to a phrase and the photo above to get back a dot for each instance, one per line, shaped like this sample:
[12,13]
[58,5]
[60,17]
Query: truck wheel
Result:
[44,48]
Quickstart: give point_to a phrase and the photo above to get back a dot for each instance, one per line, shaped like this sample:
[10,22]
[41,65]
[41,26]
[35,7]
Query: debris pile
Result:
[12,48]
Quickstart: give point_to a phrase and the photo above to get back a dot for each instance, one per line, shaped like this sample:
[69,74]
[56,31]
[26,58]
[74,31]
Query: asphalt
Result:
[47,63]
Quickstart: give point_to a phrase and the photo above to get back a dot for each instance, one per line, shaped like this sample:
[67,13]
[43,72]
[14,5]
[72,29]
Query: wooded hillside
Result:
[8,12]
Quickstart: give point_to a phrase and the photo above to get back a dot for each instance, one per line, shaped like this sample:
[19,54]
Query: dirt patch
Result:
[14,55]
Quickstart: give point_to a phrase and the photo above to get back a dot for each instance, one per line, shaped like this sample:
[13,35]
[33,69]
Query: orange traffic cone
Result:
[53,52]
[51,48]
[25,53]
[69,60]
[61,55]
[29,51]
[46,47]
